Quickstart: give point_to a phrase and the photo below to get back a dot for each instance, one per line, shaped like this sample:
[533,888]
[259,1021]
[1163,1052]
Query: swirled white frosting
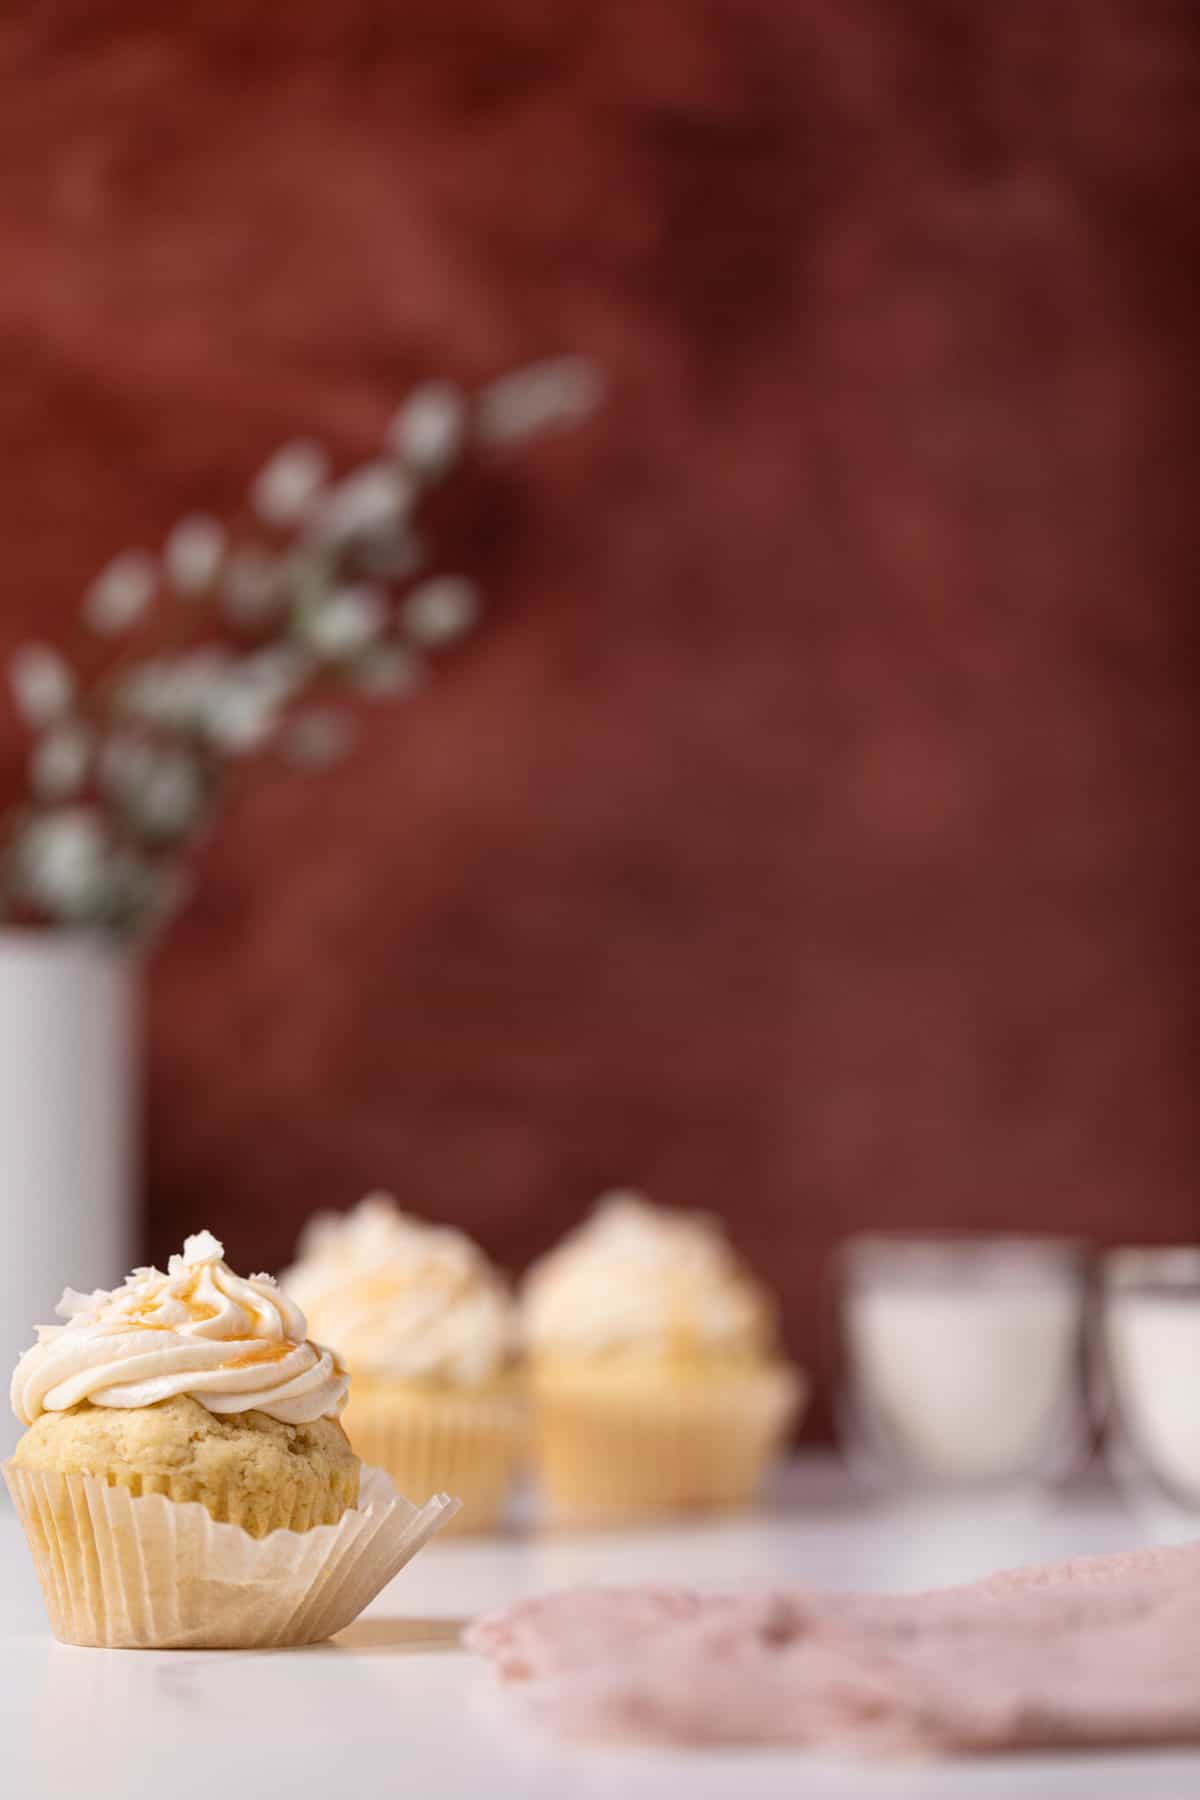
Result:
[235,1345]
[643,1278]
[404,1300]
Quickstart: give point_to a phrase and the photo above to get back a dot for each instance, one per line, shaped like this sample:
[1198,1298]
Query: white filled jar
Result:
[1151,1330]
[963,1357]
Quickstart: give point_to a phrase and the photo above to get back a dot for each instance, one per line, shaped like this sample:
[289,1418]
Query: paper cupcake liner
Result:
[140,1572]
[609,1450]
[468,1444]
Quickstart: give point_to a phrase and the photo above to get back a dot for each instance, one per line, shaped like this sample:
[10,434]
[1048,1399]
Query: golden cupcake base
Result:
[247,1469]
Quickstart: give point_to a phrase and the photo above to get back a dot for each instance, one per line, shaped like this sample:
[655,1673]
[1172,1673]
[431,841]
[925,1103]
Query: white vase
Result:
[69,1044]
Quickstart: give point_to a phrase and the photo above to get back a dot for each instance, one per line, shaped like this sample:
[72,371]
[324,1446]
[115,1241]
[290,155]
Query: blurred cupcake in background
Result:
[657,1381]
[427,1329]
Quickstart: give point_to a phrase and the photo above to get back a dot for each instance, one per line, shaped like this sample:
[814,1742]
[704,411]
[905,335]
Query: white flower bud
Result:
[121,593]
[287,485]
[428,430]
[240,717]
[546,393]
[61,857]
[345,622]
[192,553]
[372,499]
[42,683]
[441,610]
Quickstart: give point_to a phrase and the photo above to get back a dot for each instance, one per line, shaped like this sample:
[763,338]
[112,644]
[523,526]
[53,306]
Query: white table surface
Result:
[394,1707]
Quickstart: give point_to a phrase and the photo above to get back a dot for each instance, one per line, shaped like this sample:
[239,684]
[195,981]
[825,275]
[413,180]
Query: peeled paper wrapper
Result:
[140,1572]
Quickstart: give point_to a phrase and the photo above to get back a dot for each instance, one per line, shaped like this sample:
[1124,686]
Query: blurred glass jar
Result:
[963,1358]
[1151,1343]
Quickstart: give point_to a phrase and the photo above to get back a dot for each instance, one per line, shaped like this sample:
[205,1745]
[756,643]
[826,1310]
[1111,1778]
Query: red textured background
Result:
[810,831]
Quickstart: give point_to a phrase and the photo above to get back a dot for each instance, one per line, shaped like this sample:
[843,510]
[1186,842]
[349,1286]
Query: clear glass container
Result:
[963,1358]
[1150,1332]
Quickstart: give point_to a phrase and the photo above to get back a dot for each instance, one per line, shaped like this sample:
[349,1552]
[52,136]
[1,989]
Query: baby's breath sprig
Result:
[228,641]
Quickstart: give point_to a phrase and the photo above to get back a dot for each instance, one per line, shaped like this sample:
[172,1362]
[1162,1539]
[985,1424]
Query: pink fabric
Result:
[1104,1650]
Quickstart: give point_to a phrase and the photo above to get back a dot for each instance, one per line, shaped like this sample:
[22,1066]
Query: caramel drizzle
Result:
[271,1350]
[268,1352]
[140,1318]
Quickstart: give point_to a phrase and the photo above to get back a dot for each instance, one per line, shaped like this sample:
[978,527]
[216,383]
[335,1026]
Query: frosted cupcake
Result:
[185,1478]
[656,1379]
[427,1328]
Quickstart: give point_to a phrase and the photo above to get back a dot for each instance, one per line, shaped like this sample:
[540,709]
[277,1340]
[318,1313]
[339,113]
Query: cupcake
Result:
[653,1365]
[185,1478]
[427,1328]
